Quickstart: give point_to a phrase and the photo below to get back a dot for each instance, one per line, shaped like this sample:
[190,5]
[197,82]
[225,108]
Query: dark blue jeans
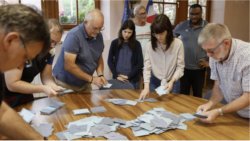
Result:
[155,82]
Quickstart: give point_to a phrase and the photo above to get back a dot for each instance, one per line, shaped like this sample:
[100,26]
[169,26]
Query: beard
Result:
[196,22]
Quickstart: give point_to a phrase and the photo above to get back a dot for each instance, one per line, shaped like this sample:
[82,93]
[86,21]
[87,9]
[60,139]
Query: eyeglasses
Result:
[142,14]
[212,52]
[53,43]
[97,29]
[29,59]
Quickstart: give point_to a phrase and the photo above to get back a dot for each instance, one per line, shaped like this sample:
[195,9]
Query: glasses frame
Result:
[27,54]
[95,29]
[212,52]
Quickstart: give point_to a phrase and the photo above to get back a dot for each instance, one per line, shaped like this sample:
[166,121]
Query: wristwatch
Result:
[220,111]
[100,75]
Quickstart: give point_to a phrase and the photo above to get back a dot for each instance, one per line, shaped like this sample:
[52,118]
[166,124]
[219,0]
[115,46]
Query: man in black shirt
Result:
[23,34]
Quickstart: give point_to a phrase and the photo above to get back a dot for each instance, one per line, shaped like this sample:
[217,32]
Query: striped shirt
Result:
[233,74]
[143,35]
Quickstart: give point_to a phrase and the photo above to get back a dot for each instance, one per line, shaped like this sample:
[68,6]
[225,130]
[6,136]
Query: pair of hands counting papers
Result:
[86,111]
[52,108]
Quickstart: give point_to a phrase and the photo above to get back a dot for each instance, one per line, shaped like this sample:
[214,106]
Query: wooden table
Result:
[227,127]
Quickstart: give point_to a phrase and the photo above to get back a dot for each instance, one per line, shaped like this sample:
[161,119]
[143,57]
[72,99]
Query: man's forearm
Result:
[77,72]
[14,127]
[216,96]
[25,87]
[238,104]
[48,80]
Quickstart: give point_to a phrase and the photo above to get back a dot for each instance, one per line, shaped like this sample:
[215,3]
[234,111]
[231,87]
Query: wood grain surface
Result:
[227,127]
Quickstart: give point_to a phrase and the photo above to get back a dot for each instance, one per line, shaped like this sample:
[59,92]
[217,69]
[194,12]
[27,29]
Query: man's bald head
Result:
[94,14]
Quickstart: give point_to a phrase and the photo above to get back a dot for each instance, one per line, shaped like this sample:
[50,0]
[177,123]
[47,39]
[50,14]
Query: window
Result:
[68,9]
[203,3]
[177,10]
[167,7]
[70,13]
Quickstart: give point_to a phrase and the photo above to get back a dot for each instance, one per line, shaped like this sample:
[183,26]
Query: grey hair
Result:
[54,23]
[89,15]
[214,31]
[137,8]
[28,22]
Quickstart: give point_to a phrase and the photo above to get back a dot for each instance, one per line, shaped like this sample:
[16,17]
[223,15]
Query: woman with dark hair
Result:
[125,55]
[164,58]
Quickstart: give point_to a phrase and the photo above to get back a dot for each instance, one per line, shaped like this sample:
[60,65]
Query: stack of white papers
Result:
[48,110]
[107,86]
[121,101]
[92,127]
[81,111]
[27,115]
[157,121]
[45,129]
[98,109]
[160,90]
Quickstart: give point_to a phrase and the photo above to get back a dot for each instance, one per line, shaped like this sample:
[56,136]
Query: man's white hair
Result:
[89,15]
[137,8]
[214,31]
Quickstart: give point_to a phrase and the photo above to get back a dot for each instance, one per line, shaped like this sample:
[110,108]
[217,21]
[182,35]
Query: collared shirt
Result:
[164,64]
[189,37]
[88,51]
[143,35]
[233,74]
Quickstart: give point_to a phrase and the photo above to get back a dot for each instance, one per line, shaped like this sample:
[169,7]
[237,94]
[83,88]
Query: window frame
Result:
[182,11]
[51,10]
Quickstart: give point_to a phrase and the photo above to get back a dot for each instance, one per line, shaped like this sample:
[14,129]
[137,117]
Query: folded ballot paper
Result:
[65,92]
[107,86]
[48,110]
[160,90]
[27,115]
[81,111]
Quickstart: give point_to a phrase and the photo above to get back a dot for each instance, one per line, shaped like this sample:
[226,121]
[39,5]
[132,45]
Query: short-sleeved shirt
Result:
[29,72]
[143,35]
[189,37]
[233,74]
[88,51]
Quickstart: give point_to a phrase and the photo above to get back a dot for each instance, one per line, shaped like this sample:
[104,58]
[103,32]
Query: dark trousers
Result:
[194,78]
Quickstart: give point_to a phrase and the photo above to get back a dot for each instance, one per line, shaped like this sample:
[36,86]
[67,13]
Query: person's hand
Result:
[211,116]
[50,91]
[98,81]
[203,63]
[123,76]
[122,79]
[144,94]
[104,80]
[169,86]
[204,107]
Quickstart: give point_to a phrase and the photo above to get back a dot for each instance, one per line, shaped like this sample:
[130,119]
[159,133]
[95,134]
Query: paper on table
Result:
[65,92]
[57,105]
[98,109]
[27,115]
[48,110]
[81,111]
[107,86]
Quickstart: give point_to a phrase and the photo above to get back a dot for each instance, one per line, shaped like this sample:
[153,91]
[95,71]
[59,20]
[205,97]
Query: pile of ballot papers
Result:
[45,129]
[157,121]
[154,121]
[119,101]
[52,108]
[148,99]
[93,127]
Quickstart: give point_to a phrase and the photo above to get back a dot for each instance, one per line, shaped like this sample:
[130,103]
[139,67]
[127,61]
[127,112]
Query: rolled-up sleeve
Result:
[147,64]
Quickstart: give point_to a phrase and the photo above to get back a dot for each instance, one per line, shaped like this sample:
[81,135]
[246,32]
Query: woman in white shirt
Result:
[164,58]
